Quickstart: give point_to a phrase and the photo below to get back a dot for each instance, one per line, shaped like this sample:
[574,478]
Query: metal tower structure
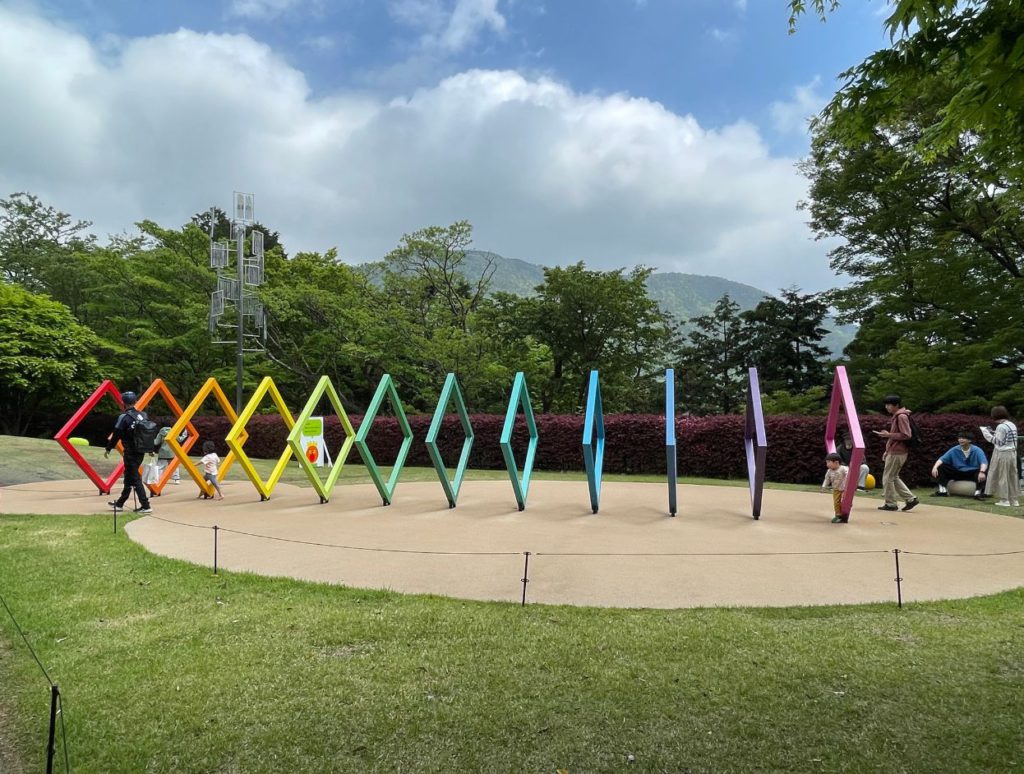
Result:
[236,287]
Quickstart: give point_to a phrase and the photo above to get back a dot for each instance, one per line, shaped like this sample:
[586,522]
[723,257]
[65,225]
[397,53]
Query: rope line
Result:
[27,643]
[995,553]
[368,548]
[573,553]
[714,553]
[179,523]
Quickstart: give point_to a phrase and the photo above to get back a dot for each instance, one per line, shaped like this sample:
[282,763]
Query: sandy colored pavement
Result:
[632,554]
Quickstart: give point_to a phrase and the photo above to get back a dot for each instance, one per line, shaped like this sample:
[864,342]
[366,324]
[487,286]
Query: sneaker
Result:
[911,505]
[840,519]
[980,495]
[176,481]
[940,494]
[145,510]
[116,505]
[1014,504]
[888,507]
[1003,503]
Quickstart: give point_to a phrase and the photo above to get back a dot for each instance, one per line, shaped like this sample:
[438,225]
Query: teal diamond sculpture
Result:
[520,397]
[449,392]
[593,440]
[386,389]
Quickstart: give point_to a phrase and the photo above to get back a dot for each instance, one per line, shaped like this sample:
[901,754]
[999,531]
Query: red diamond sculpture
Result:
[103,484]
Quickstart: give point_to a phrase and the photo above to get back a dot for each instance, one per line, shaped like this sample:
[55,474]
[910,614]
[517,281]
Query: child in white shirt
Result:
[835,479]
[211,462]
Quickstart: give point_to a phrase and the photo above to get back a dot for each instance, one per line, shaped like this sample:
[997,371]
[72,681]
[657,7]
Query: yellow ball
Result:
[869,481]
[78,442]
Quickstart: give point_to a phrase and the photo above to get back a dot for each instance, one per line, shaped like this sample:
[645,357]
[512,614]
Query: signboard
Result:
[311,439]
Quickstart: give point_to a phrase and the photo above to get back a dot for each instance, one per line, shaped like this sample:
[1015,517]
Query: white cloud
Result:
[792,116]
[448,27]
[264,10]
[168,125]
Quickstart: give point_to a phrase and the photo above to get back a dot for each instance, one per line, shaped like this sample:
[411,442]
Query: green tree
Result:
[47,359]
[435,258]
[326,318]
[783,338]
[222,229]
[712,361]
[601,320]
[977,43]
[934,246]
[38,244]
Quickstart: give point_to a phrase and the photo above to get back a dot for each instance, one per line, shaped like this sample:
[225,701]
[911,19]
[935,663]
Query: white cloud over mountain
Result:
[164,126]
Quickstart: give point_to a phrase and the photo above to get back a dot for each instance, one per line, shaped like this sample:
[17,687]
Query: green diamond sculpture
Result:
[386,389]
[520,397]
[325,487]
[449,392]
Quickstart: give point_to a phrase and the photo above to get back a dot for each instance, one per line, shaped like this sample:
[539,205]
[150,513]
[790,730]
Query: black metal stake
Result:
[50,747]
[899,589]
[526,574]
[115,521]
[215,528]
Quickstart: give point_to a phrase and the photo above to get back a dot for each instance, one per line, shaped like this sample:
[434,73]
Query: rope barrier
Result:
[713,553]
[994,553]
[27,643]
[56,700]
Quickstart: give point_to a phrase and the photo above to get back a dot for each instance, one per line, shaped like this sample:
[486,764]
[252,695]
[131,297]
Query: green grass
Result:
[165,667]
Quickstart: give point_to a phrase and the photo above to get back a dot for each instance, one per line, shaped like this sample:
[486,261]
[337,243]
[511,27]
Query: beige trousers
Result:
[892,484]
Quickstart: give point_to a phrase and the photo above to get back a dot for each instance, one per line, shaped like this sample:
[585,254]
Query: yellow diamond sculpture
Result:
[210,387]
[265,488]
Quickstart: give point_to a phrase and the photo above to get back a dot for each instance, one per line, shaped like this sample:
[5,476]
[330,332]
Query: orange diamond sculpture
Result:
[159,388]
[209,387]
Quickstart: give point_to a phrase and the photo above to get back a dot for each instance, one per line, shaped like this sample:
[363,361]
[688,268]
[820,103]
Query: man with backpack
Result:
[137,434]
[899,438]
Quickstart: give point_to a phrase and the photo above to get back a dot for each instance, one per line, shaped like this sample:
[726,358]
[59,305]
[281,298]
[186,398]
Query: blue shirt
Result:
[972,461]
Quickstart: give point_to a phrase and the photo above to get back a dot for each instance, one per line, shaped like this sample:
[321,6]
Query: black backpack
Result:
[144,432]
[915,439]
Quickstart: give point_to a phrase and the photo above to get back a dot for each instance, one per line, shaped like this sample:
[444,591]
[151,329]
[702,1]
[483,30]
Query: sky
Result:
[616,132]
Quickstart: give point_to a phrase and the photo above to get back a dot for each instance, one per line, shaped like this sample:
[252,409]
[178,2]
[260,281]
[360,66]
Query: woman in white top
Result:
[1003,476]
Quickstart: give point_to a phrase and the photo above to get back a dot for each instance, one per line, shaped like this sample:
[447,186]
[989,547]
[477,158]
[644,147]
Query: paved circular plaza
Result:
[631,554]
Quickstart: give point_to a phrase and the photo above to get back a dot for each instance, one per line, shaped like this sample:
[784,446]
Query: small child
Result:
[835,479]
[210,463]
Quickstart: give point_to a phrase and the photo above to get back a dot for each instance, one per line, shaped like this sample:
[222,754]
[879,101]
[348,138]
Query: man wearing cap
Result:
[963,462]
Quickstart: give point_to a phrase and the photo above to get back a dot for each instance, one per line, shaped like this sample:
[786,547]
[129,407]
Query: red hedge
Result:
[635,443]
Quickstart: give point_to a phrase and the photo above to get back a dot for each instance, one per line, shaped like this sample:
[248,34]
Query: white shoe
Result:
[1014,504]
[1003,503]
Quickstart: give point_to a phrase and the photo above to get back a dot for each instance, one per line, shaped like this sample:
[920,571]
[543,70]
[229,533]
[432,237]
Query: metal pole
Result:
[899,590]
[526,574]
[240,362]
[50,747]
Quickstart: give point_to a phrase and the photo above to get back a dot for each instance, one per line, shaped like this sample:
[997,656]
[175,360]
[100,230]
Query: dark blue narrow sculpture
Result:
[670,437]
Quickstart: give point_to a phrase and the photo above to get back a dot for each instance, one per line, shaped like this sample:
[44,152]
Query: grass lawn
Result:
[167,668]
